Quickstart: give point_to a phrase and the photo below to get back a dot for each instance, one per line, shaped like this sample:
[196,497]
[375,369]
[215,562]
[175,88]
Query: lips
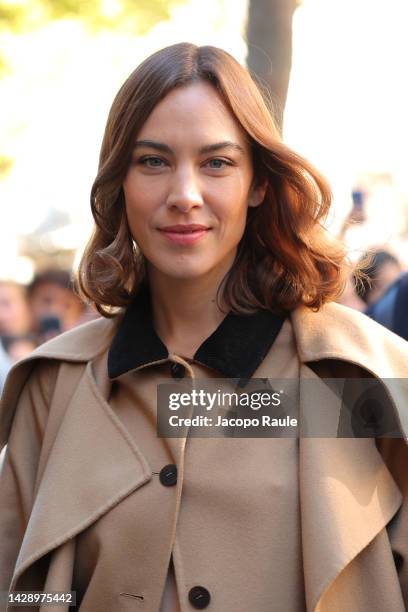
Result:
[184,229]
[184,235]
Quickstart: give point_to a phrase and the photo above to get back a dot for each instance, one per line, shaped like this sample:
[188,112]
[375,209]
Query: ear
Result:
[257,193]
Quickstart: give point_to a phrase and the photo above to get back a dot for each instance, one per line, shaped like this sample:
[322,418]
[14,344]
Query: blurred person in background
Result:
[15,315]
[20,346]
[5,365]
[379,270]
[391,309]
[54,305]
[379,267]
[382,269]
[15,320]
[356,215]
[349,296]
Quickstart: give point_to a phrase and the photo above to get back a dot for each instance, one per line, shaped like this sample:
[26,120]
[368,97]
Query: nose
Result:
[184,193]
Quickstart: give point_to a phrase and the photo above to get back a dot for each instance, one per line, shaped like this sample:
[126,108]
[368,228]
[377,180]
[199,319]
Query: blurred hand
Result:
[354,217]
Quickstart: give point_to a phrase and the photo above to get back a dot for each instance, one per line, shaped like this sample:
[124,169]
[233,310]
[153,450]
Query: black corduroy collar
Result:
[235,349]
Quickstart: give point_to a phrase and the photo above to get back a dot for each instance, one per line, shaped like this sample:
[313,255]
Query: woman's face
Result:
[188,187]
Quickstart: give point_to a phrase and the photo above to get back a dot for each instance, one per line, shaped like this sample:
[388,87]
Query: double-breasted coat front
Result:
[77,467]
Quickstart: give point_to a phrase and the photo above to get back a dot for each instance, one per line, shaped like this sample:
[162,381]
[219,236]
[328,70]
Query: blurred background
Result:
[333,68]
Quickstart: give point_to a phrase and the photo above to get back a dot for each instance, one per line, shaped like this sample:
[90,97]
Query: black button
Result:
[398,560]
[199,597]
[177,370]
[168,475]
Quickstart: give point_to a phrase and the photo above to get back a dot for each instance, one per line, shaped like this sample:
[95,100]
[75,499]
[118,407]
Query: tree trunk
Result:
[269,37]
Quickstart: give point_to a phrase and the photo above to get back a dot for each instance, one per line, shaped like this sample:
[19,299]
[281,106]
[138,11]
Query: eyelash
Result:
[143,161]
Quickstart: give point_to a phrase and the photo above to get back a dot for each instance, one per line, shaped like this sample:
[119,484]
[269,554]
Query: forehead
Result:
[193,112]
[48,287]
[12,291]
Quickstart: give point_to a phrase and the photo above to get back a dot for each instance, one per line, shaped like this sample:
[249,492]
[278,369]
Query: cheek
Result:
[234,188]
[229,200]
[137,208]
[135,221]
[142,197]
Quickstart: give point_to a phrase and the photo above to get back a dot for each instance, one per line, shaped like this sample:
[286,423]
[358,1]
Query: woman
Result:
[208,261]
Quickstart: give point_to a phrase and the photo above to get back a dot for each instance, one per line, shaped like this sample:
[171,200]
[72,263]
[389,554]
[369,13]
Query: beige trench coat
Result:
[353,493]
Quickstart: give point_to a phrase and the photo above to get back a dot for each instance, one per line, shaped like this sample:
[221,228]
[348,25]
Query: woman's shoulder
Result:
[37,373]
[336,331]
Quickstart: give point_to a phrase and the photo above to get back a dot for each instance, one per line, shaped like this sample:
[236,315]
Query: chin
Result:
[188,267]
[183,270]
[187,275]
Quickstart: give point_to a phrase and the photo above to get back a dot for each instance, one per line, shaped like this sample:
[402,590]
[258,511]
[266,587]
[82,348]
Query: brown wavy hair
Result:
[285,258]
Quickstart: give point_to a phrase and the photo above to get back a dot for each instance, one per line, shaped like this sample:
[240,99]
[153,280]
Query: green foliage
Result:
[11,16]
[4,67]
[134,16]
[5,165]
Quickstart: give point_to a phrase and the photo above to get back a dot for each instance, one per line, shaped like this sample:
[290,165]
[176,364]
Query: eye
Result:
[218,163]
[151,162]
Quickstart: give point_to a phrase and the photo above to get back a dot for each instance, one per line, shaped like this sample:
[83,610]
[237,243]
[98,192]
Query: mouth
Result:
[184,234]
[184,229]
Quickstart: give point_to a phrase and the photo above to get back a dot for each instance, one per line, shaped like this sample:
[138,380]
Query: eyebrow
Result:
[210,148]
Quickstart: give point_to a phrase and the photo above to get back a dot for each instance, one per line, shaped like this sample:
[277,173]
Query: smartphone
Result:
[50,326]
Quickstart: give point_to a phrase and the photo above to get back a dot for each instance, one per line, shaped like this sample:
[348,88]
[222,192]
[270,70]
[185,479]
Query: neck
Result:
[185,311]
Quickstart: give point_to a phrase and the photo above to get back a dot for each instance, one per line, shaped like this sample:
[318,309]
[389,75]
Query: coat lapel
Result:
[93,465]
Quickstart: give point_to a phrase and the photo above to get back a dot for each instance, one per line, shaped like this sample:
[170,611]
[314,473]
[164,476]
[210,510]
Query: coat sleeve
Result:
[19,467]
